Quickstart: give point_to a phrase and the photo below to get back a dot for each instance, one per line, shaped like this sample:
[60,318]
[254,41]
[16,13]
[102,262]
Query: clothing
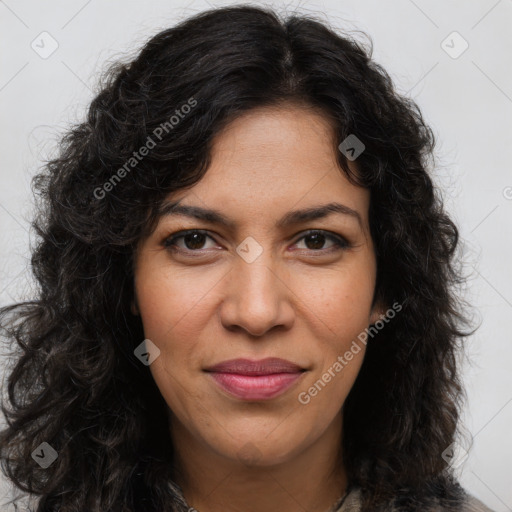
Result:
[352,503]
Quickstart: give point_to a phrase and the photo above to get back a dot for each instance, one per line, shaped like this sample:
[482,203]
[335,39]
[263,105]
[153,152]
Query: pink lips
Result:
[255,380]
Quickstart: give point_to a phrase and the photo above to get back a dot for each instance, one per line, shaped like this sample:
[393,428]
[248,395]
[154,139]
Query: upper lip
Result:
[266,366]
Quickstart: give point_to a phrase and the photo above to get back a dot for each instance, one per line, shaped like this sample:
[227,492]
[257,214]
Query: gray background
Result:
[467,100]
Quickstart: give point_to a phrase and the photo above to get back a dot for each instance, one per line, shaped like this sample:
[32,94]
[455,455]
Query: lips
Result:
[255,380]
[267,366]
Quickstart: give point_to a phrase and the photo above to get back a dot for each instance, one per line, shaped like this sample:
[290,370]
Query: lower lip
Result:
[261,387]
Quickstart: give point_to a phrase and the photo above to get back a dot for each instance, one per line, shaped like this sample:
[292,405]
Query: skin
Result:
[301,300]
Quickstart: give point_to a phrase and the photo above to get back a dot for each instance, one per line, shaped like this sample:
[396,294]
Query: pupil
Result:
[315,236]
[194,236]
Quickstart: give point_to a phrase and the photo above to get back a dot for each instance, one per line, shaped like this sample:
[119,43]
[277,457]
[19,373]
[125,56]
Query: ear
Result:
[378,311]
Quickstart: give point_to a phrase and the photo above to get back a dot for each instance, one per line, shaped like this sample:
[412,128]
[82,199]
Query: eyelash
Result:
[340,242]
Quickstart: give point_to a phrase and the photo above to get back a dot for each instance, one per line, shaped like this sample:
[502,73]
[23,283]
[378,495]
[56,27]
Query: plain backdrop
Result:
[452,57]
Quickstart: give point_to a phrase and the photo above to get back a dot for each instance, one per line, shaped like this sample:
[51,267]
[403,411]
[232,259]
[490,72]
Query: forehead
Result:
[292,133]
[271,160]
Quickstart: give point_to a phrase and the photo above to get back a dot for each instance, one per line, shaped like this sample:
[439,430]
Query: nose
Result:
[257,298]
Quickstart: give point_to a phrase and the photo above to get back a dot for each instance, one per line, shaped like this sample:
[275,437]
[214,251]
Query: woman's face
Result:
[260,287]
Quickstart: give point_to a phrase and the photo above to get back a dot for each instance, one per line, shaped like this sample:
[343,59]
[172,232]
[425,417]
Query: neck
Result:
[312,479]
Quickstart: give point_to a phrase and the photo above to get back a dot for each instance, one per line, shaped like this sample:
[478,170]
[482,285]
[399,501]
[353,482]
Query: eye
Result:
[315,239]
[194,240]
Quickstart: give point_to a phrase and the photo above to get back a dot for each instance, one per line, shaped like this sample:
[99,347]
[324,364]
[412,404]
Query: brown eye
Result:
[315,240]
[193,240]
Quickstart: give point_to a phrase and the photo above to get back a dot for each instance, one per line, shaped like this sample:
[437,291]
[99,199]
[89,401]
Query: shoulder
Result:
[465,503]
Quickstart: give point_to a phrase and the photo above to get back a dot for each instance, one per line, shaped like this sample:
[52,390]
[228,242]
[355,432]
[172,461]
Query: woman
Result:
[193,345]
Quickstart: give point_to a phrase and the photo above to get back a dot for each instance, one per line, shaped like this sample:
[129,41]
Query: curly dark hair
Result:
[75,382]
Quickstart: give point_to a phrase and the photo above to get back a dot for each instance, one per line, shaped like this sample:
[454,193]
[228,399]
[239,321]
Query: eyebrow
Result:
[289,219]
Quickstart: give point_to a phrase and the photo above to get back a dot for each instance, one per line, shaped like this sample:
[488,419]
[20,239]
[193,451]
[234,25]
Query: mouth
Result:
[255,380]
[267,366]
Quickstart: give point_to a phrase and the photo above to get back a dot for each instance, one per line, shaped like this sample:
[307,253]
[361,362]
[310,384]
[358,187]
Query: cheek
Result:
[338,305]
[338,309]
[340,298]
[172,302]
[171,307]
[177,305]
[175,308]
